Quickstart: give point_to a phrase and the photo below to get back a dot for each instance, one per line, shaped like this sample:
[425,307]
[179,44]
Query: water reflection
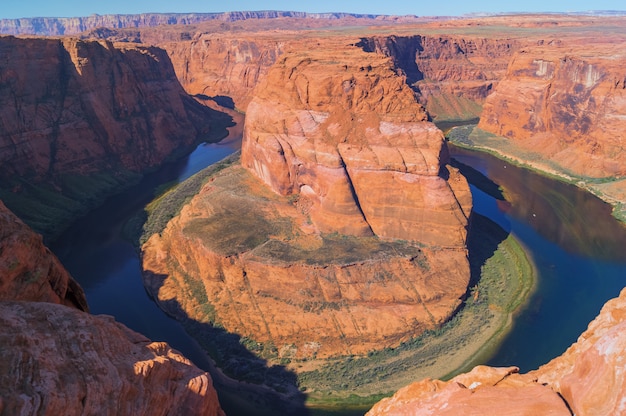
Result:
[576,245]
[564,214]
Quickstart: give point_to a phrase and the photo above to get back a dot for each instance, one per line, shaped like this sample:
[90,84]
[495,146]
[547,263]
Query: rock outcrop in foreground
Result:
[29,271]
[588,379]
[346,232]
[58,359]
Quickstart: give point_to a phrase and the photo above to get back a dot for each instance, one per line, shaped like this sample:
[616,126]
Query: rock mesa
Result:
[346,231]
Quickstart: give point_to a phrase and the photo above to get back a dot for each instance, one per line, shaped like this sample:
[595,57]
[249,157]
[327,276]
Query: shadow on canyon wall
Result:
[221,100]
[484,235]
[246,384]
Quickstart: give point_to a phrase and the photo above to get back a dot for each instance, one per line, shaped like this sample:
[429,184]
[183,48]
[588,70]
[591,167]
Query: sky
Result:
[10,9]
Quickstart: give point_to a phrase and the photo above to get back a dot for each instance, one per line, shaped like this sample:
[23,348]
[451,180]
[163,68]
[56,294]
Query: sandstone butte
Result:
[79,117]
[588,379]
[346,231]
[58,359]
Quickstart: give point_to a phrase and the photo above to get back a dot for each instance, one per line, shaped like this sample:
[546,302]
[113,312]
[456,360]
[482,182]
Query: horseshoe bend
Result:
[331,259]
[342,231]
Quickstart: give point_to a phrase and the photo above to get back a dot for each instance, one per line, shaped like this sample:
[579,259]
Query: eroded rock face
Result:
[81,119]
[223,65]
[29,271]
[565,105]
[51,26]
[243,258]
[349,138]
[58,360]
[72,106]
[345,234]
[587,379]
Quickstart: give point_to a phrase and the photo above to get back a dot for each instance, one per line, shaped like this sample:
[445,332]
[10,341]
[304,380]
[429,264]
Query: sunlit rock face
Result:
[565,103]
[344,232]
[349,138]
[59,360]
[588,379]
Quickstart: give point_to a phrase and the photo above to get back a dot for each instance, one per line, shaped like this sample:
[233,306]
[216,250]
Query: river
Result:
[578,249]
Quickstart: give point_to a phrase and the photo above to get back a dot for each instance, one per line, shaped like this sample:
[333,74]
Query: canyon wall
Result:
[564,105]
[222,66]
[349,138]
[588,379]
[79,119]
[347,231]
[58,359]
[451,74]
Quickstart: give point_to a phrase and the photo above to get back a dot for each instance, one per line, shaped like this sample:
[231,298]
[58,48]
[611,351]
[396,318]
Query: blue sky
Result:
[67,8]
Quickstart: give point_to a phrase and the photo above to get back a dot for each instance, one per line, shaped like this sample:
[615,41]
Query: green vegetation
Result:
[50,208]
[340,249]
[174,196]
[449,107]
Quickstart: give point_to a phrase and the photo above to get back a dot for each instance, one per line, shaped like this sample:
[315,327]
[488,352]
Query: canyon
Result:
[303,249]
[343,185]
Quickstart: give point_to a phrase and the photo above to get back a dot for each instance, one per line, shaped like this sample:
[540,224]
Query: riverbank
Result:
[610,190]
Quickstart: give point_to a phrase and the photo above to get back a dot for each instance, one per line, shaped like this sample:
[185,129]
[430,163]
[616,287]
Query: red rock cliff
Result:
[29,271]
[451,74]
[223,64]
[78,118]
[565,104]
[349,138]
[71,106]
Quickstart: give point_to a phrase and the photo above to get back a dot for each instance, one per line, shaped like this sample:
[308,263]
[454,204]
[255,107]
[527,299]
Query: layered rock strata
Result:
[350,233]
[222,66]
[564,105]
[353,144]
[451,74]
[72,106]
[54,26]
[588,379]
[58,359]
[79,119]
